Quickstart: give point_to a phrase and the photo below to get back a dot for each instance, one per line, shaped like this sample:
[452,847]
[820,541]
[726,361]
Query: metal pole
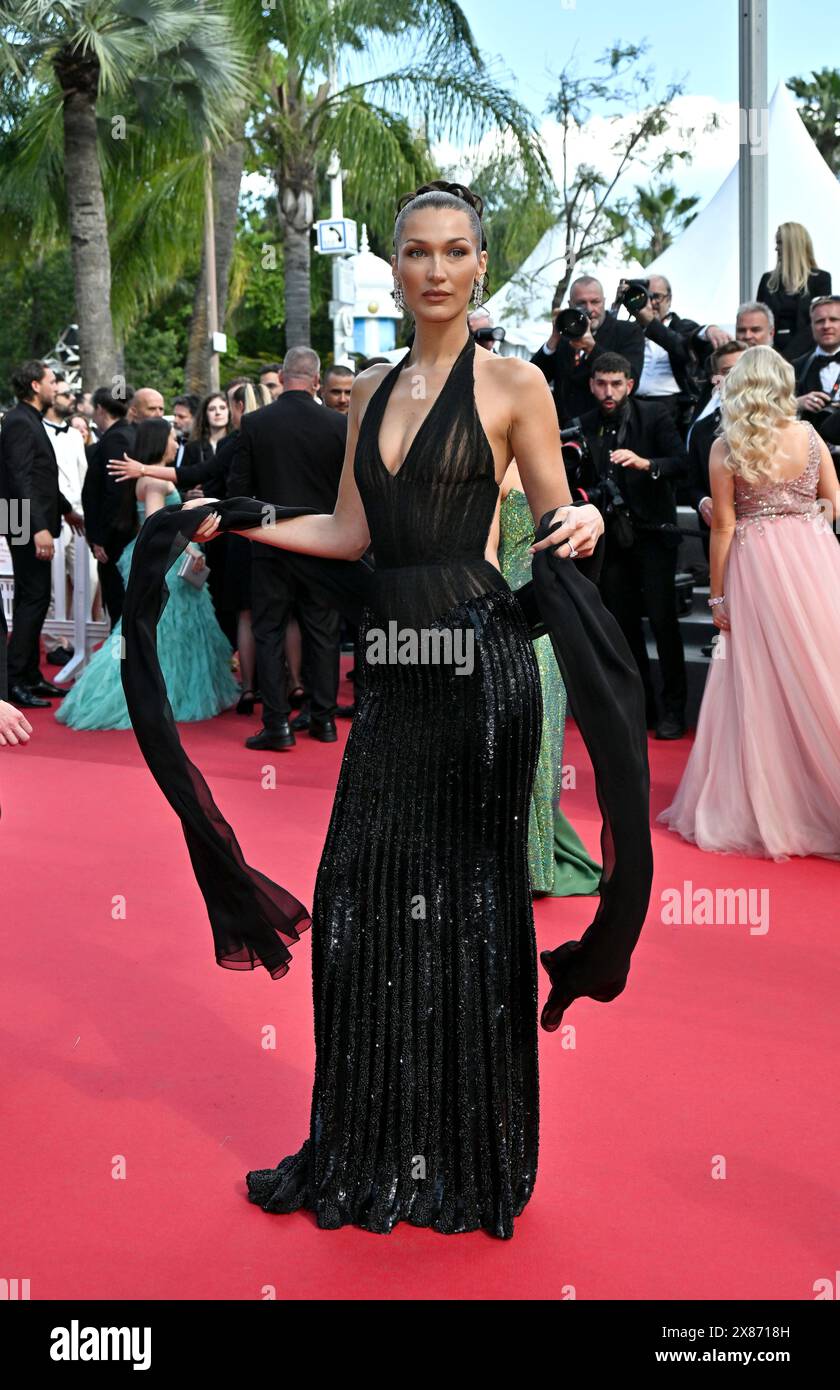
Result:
[753,145]
[210,264]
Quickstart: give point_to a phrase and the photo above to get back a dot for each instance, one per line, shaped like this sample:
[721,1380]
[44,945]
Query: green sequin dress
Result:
[557,858]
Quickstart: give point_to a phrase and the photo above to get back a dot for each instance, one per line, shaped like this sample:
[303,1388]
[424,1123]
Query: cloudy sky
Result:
[694,44]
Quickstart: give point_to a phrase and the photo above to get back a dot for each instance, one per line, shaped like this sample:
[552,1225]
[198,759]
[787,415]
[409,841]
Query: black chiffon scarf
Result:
[253,919]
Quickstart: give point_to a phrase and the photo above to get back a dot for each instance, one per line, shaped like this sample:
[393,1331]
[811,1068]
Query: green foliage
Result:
[649,223]
[820,110]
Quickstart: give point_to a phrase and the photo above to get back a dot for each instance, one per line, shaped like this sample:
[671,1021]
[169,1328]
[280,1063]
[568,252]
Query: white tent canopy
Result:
[523,306]
[702,264]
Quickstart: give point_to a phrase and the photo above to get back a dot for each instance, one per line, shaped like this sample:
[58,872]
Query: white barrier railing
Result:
[77,624]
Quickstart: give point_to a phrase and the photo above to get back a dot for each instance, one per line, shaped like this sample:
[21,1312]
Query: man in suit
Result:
[291,453]
[818,373]
[108,504]
[566,363]
[31,520]
[702,437]
[674,350]
[637,458]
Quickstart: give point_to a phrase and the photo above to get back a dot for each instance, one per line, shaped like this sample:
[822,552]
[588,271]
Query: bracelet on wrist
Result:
[713,602]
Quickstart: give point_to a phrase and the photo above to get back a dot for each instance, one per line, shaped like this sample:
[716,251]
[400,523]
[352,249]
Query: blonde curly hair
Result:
[756,398]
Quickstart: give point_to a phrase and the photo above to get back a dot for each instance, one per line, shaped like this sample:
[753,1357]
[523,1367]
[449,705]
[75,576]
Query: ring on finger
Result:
[572,551]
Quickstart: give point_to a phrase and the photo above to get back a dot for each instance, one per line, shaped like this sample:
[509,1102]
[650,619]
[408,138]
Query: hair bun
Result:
[458,190]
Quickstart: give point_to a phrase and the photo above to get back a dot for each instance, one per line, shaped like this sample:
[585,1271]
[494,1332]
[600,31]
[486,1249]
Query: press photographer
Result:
[635,458]
[673,351]
[579,335]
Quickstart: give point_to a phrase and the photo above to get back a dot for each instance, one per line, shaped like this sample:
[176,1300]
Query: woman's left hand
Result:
[579,534]
[720,617]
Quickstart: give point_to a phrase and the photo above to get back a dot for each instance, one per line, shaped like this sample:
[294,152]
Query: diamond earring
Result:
[397,295]
[478,291]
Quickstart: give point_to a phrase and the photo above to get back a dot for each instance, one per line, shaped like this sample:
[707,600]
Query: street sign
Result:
[336,236]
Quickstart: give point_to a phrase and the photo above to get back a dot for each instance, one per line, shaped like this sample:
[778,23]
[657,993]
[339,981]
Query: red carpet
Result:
[688,1138]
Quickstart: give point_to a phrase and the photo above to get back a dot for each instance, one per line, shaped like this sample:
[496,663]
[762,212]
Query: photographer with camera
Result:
[480,324]
[635,457]
[579,335]
[673,350]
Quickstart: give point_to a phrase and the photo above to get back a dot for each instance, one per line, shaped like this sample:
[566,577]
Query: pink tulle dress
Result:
[763,777]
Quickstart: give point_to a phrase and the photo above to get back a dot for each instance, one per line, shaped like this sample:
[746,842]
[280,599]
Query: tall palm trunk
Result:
[295,179]
[227,177]
[90,251]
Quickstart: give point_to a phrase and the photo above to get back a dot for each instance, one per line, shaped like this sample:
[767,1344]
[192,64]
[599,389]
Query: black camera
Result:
[571,323]
[489,335]
[634,296]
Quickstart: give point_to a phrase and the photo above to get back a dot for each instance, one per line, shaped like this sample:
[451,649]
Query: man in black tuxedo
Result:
[818,373]
[291,453]
[637,458]
[31,519]
[109,505]
[702,437]
[566,363]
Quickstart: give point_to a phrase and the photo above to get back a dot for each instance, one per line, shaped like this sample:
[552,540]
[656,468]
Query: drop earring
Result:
[397,296]
[478,291]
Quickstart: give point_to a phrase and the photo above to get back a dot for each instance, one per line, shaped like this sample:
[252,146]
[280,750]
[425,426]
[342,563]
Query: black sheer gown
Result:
[425,1097]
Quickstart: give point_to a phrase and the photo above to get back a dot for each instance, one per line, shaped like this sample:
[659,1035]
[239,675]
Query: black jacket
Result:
[699,448]
[109,517]
[792,313]
[825,422]
[28,469]
[684,349]
[290,453]
[198,464]
[650,432]
[570,383]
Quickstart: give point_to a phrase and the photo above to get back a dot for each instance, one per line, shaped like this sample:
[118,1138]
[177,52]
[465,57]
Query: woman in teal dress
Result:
[557,858]
[194,653]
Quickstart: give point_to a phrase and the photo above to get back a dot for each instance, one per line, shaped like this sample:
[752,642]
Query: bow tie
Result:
[823,357]
[58,429]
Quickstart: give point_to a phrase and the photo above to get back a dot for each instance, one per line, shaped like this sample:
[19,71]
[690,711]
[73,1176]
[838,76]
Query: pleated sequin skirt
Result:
[425,1100]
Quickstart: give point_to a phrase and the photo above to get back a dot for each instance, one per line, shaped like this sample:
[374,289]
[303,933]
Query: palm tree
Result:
[820,111]
[375,124]
[649,224]
[78,62]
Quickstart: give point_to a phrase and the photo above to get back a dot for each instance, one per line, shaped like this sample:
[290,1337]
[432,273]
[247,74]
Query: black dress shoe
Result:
[43,687]
[245,703]
[300,721]
[323,729]
[670,727]
[345,711]
[60,656]
[279,739]
[22,696]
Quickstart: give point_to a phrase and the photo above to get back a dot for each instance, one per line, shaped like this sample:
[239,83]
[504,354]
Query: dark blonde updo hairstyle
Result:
[440,194]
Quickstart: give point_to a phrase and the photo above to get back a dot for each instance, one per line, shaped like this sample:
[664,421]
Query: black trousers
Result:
[113,588]
[639,580]
[32,600]
[275,591]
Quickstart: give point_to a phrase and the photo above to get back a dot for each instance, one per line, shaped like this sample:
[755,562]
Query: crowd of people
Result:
[641,406]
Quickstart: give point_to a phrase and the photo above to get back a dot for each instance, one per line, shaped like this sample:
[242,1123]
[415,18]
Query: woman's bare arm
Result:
[535,444]
[722,481]
[340,535]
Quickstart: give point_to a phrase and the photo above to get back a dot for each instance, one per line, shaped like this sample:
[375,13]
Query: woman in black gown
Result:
[425,1097]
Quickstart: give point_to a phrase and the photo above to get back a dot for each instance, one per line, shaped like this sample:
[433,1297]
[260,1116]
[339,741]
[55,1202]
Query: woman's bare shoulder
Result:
[367,381]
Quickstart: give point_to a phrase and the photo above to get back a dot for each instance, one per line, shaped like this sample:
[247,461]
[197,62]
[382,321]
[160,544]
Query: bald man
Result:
[146,404]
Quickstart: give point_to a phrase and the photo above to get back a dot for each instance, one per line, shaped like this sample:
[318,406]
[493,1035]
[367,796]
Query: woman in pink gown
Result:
[763,777]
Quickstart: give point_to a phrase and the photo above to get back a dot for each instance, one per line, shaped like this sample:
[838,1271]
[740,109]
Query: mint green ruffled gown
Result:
[194,658]
[557,858]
